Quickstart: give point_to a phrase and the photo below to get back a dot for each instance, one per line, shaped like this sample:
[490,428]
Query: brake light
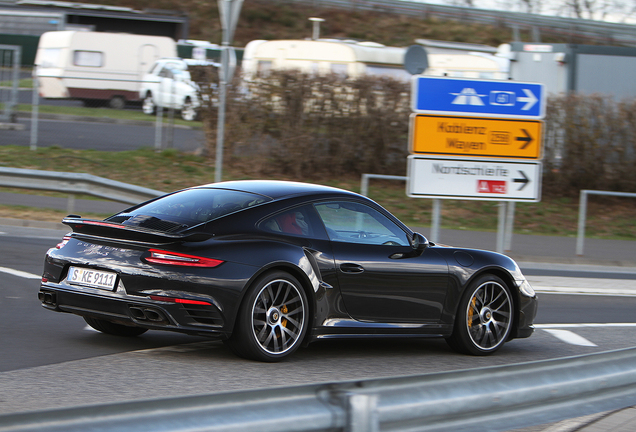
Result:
[179,300]
[65,240]
[178,259]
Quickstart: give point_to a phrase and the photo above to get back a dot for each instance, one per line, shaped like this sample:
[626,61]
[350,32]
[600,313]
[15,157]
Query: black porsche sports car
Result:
[268,266]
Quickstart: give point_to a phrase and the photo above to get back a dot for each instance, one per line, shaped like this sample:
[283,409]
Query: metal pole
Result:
[435,220]
[580,238]
[158,126]
[501,227]
[510,222]
[35,108]
[220,129]
[364,185]
[70,204]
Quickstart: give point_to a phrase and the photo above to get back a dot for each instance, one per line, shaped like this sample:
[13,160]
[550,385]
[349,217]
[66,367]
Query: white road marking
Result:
[579,325]
[19,273]
[586,291]
[570,337]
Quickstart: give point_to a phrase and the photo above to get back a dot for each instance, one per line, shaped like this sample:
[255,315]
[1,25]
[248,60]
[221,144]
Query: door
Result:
[381,277]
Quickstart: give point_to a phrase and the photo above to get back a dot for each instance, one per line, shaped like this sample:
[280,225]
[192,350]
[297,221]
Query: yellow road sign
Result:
[471,136]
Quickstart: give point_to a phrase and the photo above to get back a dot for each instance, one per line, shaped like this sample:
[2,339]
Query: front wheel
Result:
[148,106]
[272,319]
[114,329]
[188,111]
[484,318]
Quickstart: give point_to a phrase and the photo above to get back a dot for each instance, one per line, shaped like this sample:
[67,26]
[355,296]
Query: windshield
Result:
[188,208]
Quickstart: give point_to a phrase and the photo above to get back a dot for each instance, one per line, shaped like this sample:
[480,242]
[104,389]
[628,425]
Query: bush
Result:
[590,144]
[303,127]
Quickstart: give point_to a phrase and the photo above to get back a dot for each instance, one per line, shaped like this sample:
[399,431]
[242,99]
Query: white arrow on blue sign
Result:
[483,98]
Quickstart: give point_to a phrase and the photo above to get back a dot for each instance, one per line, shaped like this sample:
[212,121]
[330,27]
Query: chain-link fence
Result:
[10,60]
[165,116]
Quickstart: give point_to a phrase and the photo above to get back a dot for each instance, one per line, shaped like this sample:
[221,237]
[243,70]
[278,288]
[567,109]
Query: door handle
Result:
[351,268]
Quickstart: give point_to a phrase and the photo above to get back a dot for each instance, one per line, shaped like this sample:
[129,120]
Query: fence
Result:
[580,238]
[112,129]
[485,399]
[10,60]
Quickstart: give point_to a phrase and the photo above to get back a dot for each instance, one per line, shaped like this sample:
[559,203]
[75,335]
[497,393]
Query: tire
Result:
[148,106]
[188,111]
[484,318]
[272,320]
[114,329]
[117,102]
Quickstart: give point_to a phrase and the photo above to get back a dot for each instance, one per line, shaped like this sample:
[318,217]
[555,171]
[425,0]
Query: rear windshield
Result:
[188,208]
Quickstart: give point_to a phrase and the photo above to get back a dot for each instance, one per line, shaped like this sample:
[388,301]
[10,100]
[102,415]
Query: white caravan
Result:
[97,66]
[352,59]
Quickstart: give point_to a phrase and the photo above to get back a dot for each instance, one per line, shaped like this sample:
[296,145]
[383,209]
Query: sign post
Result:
[476,140]
[229,11]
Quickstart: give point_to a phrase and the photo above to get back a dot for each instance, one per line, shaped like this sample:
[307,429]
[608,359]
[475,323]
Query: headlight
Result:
[520,280]
[526,289]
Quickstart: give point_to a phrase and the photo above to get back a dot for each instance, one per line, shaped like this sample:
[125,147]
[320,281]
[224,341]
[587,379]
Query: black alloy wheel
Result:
[272,320]
[484,318]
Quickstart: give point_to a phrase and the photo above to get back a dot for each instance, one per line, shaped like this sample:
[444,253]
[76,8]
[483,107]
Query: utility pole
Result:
[229,11]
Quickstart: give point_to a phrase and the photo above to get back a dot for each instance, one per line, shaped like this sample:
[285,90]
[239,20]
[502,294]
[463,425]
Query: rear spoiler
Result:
[113,230]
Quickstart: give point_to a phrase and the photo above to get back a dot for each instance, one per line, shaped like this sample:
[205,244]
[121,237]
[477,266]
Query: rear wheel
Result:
[272,319]
[114,329]
[484,318]
[117,102]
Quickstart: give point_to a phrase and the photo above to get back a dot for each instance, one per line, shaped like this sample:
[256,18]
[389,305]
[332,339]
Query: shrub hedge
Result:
[298,126]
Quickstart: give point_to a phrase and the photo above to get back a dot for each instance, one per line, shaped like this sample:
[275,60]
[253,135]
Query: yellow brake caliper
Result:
[470,312]
[284,321]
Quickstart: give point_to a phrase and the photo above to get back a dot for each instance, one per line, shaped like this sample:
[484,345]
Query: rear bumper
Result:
[133,310]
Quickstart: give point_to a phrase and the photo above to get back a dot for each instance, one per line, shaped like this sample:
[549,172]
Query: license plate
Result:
[92,278]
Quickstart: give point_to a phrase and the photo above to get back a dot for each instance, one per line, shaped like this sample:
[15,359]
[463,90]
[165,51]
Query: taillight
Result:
[178,259]
[179,300]
[65,240]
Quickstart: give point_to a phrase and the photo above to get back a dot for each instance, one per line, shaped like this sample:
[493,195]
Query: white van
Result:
[97,66]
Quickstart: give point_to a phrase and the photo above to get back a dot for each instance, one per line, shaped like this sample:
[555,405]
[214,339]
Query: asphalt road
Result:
[52,360]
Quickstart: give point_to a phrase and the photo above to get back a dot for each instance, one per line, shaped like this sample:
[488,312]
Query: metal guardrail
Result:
[580,237]
[494,399]
[75,183]
[591,30]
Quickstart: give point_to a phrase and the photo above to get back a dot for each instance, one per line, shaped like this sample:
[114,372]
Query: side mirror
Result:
[419,242]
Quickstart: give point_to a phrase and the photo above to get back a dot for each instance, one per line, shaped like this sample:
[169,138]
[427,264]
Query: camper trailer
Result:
[323,56]
[97,66]
[352,59]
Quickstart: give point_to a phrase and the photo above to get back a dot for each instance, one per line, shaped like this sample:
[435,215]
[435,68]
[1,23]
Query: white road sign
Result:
[473,179]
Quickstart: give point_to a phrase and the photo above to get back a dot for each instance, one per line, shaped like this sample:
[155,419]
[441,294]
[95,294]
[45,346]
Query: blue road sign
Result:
[484,98]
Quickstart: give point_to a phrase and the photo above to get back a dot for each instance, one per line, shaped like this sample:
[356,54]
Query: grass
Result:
[23,83]
[170,170]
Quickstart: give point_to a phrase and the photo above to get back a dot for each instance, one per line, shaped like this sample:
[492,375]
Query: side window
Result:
[295,222]
[88,58]
[357,223]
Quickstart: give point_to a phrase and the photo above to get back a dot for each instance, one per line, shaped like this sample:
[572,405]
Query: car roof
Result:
[277,189]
